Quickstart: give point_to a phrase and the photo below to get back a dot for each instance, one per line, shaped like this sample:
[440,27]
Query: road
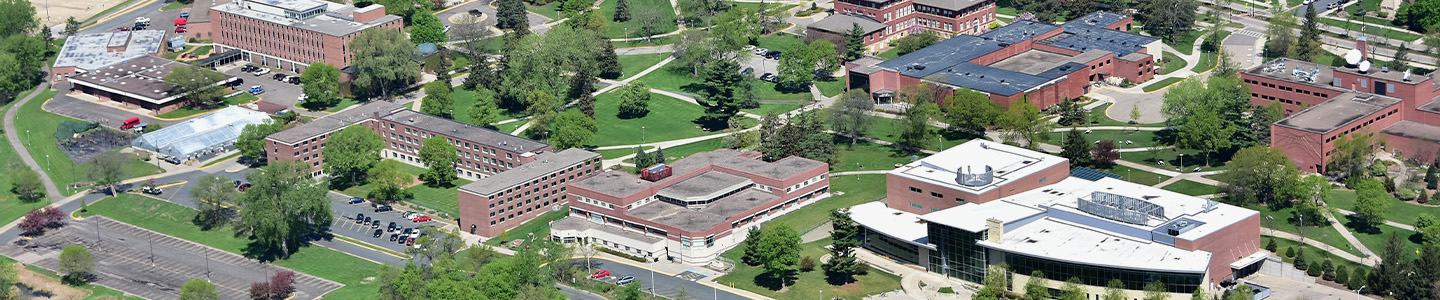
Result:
[127,18]
[669,285]
[1414,56]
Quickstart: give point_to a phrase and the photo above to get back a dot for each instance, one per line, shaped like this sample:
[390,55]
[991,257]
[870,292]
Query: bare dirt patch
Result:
[39,283]
[59,10]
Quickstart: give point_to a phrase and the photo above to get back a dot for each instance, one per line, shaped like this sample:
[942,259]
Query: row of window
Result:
[285,41]
[1297,90]
[1362,125]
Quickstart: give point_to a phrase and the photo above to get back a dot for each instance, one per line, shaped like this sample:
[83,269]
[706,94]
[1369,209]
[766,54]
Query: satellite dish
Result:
[1352,57]
[1365,66]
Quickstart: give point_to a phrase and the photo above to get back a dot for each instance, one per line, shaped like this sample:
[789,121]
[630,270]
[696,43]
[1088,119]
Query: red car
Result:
[180,29]
[122,28]
[410,242]
[244,186]
[600,274]
[421,219]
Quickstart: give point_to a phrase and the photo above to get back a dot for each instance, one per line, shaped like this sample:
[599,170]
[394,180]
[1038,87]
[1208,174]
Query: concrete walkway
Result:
[1387,222]
[13,136]
[1323,246]
[910,278]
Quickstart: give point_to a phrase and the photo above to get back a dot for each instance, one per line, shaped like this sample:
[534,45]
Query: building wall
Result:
[62,74]
[127,100]
[402,142]
[901,15]
[1135,71]
[899,195]
[1227,246]
[1293,96]
[1307,149]
[284,46]
[1422,150]
[489,215]
[200,30]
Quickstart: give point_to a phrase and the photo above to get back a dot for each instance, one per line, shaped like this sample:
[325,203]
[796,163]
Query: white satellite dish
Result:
[1352,57]
[1365,66]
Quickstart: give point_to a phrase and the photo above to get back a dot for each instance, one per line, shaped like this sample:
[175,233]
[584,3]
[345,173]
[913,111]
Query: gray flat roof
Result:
[1337,112]
[141,78]
[465,132]
[1031,61]
[717,213]
[707,183]
[621,184]
[844,22]
[575,223]
[89,51]
[324,24]
[949,4]
[295,5]
[1286,72]
[335,121]
[1415,130]
[544,164]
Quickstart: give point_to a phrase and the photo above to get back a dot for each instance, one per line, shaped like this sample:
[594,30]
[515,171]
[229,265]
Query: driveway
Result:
[761,64]
[1149,104]
[669,286]
[1245,46]
[127,19]
[282,93]
[345,223]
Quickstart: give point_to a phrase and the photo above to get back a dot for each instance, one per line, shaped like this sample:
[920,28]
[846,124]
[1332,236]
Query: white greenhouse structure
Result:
[211,133]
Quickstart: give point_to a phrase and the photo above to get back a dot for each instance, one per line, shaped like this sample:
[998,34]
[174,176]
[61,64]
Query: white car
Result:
[761,51]
[262,72]
[303,97]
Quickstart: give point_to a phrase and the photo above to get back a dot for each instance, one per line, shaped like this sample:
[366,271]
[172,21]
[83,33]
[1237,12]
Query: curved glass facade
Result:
[1100,276]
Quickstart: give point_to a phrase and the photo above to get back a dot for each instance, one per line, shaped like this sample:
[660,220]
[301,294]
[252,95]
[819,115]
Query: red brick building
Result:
[898,18]
[1324,103]
[291,34]
[695,215]
[501,202]
[1044,63]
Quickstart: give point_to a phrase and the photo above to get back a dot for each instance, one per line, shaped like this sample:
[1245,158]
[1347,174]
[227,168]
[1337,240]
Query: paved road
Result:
[106,115]
[668,285]
[127,19]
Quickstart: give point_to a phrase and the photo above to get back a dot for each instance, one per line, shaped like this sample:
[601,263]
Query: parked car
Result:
[379,232]
[476,12]
[383,208]
[772,54]
[262,71]
[236,81]
[421,219]
[293,80]
[747,71]
[122,28]
[391,228]
[367,220]
[769,77]
[410,242]
[360,218]
[406,232]
[179,29]
[600,274]
[402,239]
[375,224]
[151,190]
[394,236]
[185,16]
[357,200]
[244,186]
[409,215]
[748,48]
[761,51]
[625,280]
[277,76]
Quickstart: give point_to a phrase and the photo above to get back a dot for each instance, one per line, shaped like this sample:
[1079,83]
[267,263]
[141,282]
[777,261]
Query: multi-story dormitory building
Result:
[515,178]
[1324,103]
[887,20]
[289,34]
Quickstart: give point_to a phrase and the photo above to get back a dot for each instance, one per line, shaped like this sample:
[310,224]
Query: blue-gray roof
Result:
[1089,32]
[1019,32]
[1090,174]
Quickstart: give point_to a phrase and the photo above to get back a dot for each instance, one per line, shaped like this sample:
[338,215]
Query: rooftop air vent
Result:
[974,175]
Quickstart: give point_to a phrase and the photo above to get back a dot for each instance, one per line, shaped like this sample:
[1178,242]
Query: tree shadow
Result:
[773,283]
[1354,223]
[838,279]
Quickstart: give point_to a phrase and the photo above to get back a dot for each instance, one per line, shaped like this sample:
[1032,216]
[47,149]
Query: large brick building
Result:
[697,213]
[893,19]
[290,34]
[1042,62]
[501,202]
[1325,103]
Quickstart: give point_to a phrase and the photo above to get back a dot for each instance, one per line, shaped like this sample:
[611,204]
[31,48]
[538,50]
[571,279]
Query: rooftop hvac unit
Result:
[974,175]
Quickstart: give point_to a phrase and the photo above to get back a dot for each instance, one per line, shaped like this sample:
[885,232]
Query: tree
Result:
[77,263]
[1260,175]
[1342,274]
[779,248]
[1431,177]
[1307,45]
[198,289]
[1035,288]
[439,157]
[108,169]
[199,85]
[1135,112]
[634,100]
[1205,132]
[647,21]
[854,43]
[1168,19]
[1114,290]
[1400,61]
[572,130]
[511,14]
[438,100]
[251,142]
[622,11]
[1280,34]
[484,112]
[282,284]
[1024,125]
[27,185]
[321,85]
[797,67]
[1199,294]
[1071,113]
[216,196]
[1271,246]
[827,58]
[1390,273]
[282,208]
[844,239]
[1300,259]
[609,63]
[9,277]
[1076,148]
[720,102]
[351,151]
[1071,290]
[1357,278]
[1420,16]
[995,283]
[71,26]
[1327,270]
[1156,291]
[1371,202]
[36,221]
[17,16]
[914,125]
[917,41]
[1105,154]
[630,292]
[390,181]
[751,245]
[971,111]
[384,61]
[1240,292]
[259,290]
[849,115]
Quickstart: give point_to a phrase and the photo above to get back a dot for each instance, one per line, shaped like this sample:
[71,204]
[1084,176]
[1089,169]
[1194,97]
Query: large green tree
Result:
[426,28]
[1280,34]
[1071,290]
[352,151]
[917,41]
[26,184]
[1371,202]
[1168,19]
[18,17]
[971,111]
[76,263]
[390,180]
[914,125]
[439,156]
[384,61]
[778,250]
[251,142]
[854,42]
[484,112]
[109,169]
[439,100]
[1035,288]
[216,197]
[1206,132]
[849,114]
[1260,175]
[1076,148]
[198,289]
[1307,45]
[797,67]
[572,130]
[1419,15]
[634,100]
[199,85]
[721,101]
[282,208]
[1352,154]
[321,86]
[844,239]
[511,14]
[1023,125]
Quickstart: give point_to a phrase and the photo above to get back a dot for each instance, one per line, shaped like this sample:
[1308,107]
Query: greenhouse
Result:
[212,133]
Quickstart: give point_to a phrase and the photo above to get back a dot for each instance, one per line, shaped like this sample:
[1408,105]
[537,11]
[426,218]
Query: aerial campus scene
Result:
[720,149]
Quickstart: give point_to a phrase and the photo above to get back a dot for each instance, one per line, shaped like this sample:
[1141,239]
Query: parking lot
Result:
[761,64]
[282,93]
[153,266]
[346,226]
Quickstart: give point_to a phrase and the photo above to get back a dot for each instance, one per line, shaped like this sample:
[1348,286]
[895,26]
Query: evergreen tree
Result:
[511,14]
[642,158]
[1432,178]
[1342,274]
[438,101]
[1424,197]
[1314,269]
[721,101]
[854,43]
[1300,259]
[844,237]
[1401,61]
[609,61]
[1289,251]
[1307,46]
[1076,148]
[1358,278]
[587,105]
[1327,270]
[1270,246]
[657,157]
[752,246]
[622,11]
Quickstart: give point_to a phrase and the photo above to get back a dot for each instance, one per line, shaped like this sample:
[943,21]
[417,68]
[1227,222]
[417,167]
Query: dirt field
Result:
[63,9]
[57,290]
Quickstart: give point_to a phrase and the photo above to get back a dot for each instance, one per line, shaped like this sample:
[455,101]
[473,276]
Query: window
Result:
[1364,82]
[936,195]
[959,201]
[1389,88]
[914,189]
[916,205]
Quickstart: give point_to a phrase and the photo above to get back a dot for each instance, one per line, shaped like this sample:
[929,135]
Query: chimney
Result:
[1364,45]
[996,230]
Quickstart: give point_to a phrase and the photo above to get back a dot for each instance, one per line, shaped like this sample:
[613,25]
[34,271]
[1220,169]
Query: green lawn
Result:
[781,42]
[686,150]
[11,207]
[617,153]
[1400,211]
[510,127]
[1009,11]
[540,226]
[634,64]
[1355,27]
[1173,159]
[174,220]
[1141,138]
[778,109]
[890,54]
[1208,59]
[1172,63]
[1283,219]
[885,129]
[1098,113]
[1376,239]
[865,156]
[1311,253]
[37,130]
[344,103]
[104,12]
[1137,175]
[464,99]
[185,112]
[1185,44]
[857,189]
[669,119]
[1367,5]
[664,40]
[1163,83]
[676,78]
[807,285]
[96,291]
[832,87]
[1192,188]
[440,199]
[173,54]
[172,5]
[551,10]
[632,28]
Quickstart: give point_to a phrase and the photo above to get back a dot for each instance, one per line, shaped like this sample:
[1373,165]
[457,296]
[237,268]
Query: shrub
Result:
[1300,259]
[1314,269]
[1270,246]
[807,264]
[1406,194]
[1342,274]
[260,291]
[282,284]
[1289,251]
[625,255]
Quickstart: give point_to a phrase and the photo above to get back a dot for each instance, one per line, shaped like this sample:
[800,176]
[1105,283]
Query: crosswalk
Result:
[1250,33]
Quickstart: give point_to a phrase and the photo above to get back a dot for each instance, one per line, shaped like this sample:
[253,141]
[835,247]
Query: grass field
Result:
[776,108]
[664,40]
[1400,211]
[632,28]
[464,99]
[676,78]
[437,199]
[1192,188]
[174,220]
[1163,83]
[1185,44]
[1141,138]
[184,112]
[1375,239]
[617,153]
[868,156]
[1208,59]
[344,103]
[886,129]
[11,207]
[551,10]
[857,189]
[682,151]
[1311,253]
[540,226]
[1172,63]
[1355,27]
[669,119]
[37,128]
[1283,219]
[1098,113]
[751,279]
[634,64]
[1172,158]
[890,54]
[832,87]
[1136,175]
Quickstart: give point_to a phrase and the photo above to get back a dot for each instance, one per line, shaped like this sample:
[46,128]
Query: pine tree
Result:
[1270,246]
[1289,251]
[511,14]
[1314,270]
[855,43]
[1300,259]
[1357,278]
[1401,62]
[1432,174]
[609,61]
[1327,270]
[1342,274]
[1424,197]
[721,101]
[642,159]
[752,246]
[657,157]
[844,234]
[1076,148]
[622,11]
[587,105]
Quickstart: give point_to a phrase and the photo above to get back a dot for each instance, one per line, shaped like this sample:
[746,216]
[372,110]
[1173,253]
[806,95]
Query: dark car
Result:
[402,239]
[185,15]
[392,227]
[360,218]
[278,76]
[476,12]
[379,232]
[356,200]
[773,54]
[367,220]
[294,80]
[375,224]
[236,82]
[247,69]
[383,208]
[747,71]
[394,236]
[769,77]
[244,186]
[406,231]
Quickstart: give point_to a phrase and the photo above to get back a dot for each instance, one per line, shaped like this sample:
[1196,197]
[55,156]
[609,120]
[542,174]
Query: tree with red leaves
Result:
[281,284]
[33,224]
[1105,154]
[260,290]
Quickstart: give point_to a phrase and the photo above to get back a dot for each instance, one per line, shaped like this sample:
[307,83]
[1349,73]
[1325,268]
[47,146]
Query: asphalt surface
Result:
[345,223]
[278,92]
[668,285]
[108,116]
[128,19]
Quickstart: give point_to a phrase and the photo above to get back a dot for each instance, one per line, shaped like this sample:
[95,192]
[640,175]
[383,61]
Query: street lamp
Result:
[642,134]
[652,277]
[1358,295]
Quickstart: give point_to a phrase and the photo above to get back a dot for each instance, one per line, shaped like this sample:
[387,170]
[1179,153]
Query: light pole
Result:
[642,134]
[652,277]
[1358,295]
[1182,163]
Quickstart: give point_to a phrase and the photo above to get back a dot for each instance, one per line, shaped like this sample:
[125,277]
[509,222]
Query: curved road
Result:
[14,137]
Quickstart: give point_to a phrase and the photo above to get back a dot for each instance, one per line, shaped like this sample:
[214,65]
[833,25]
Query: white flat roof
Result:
[889,221]
[1065,195]
[1057,240]
[1007,162]
[972,217]
[90,51]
